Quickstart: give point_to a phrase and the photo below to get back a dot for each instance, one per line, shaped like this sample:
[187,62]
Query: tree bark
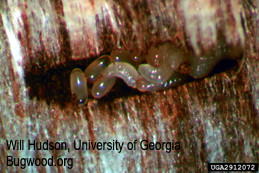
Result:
[215,119]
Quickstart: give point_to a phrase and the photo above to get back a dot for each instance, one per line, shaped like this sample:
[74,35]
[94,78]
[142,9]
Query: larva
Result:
[160,69]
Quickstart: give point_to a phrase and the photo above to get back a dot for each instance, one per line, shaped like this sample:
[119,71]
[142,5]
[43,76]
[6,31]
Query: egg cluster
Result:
[159,69]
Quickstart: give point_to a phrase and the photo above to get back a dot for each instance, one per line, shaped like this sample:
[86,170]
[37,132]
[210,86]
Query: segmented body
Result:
[158,69]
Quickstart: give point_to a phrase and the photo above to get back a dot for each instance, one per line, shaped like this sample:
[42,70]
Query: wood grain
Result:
[215,119]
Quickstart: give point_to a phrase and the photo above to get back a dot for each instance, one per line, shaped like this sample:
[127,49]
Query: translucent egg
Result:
[202,66]
[93,71]
[163,61]
[131,57]
[157,55]
[78,86]
[121,56]
[102,86]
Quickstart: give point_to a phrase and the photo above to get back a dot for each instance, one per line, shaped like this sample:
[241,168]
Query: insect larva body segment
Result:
[159,69]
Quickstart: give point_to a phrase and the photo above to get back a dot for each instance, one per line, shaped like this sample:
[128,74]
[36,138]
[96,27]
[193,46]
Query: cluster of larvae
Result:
[157,70]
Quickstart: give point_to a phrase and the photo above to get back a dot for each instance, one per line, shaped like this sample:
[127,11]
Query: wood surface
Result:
[215,119]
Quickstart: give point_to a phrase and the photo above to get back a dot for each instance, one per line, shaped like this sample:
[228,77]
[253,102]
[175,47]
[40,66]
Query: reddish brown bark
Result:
[215,119]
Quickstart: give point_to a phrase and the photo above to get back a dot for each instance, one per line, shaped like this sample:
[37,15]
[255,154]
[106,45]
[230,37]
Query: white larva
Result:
[175,79]
[124,71]
[107,80]
[155,74]
[159,70]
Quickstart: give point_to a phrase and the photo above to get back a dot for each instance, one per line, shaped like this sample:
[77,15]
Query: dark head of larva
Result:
[158,69]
